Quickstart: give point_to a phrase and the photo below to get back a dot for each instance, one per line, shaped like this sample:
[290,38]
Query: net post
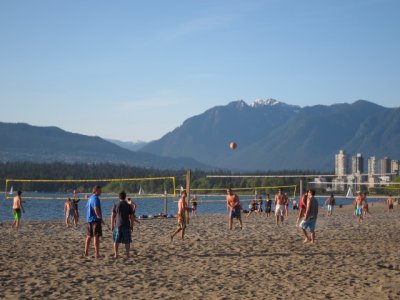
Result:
[165,203]
[188,177]
[5,191]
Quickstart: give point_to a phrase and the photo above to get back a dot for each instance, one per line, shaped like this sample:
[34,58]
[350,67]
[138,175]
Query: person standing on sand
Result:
[268,205]
[194,206]
[121,224]
[17,208]
[94,221]
[286,205]
[329,203]
[302,208]
[390,203]
[74,204]
[69,212]
[181,216]
[279,206]
[358,204]
[310,217]
[234,206]
[134,206]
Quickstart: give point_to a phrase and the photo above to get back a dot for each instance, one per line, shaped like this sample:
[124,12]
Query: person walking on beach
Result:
[390,203]
[310,218]
[69,212]
[181,216]
[234,207]
[121,224]
[329,203]
[94,221]
[280,201]
[17,208]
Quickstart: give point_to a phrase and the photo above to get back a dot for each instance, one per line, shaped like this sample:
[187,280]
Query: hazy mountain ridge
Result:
[272,135]
[23,142]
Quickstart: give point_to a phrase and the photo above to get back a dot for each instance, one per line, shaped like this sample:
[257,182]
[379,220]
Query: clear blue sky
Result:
[134,70]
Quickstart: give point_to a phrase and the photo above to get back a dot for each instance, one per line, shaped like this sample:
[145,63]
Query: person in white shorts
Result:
[279,206]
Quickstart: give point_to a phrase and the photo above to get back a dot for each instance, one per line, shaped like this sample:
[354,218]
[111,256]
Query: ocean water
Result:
[40,208]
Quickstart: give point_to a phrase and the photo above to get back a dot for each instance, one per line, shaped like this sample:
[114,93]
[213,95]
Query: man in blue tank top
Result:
[94,221]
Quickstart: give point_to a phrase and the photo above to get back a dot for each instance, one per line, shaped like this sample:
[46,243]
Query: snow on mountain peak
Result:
[265,102]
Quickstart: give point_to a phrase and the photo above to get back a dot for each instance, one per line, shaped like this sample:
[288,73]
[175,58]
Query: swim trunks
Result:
[279,210]
[390,206]
[330,208]
[181,221]
[17,214]
[359,210]
[94,229]
[122,235]
[235,212]
[310,223]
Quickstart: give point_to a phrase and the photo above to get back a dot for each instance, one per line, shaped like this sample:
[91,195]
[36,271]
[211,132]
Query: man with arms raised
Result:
[280,201]
[233,204]
[94,221]
[310,217]
[122,224]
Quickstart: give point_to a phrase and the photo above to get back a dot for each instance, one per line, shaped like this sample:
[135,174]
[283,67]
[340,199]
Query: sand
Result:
[348,261]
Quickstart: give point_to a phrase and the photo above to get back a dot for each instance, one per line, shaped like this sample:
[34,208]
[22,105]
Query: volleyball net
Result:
[210,195]
[60,189]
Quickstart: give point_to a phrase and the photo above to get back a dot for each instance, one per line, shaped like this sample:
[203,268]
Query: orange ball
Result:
[233,145]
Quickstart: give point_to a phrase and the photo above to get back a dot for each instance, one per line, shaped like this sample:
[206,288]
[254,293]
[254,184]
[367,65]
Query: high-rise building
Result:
[372,166]
[395,167]
[385,165]
[357,164]
[341,163]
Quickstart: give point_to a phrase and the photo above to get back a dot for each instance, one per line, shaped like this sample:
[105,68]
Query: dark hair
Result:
[19,193]
[312,192]
[95,188]
[122,195]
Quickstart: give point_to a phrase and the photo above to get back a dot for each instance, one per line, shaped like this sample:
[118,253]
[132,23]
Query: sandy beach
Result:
[348,261]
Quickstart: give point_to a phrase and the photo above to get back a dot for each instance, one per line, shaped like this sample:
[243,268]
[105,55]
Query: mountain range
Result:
[23,142]
[270,135]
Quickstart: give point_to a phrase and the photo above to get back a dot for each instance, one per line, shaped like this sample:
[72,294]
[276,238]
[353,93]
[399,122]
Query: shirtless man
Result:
[358,204]
[69,212]
[329,203]
[280,200]
[310,217]
[233,204]
[181,216]
[17,208]
[390,203]
[134,206]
